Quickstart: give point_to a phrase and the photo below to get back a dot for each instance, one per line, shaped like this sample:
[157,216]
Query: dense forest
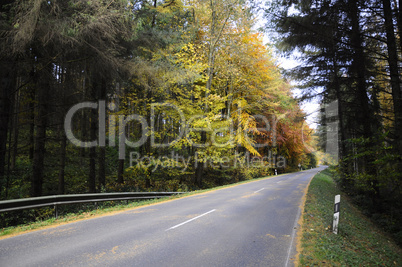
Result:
[141,95]
[351,61]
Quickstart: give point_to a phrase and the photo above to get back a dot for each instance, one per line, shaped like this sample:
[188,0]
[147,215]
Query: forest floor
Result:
[359,242]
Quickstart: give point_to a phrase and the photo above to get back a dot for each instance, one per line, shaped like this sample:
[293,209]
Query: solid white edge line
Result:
[259,190]
[195,218]
[294,231]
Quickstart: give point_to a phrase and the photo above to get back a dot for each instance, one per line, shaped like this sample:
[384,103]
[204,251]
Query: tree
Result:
[58,32]
[195,71]
[350,58]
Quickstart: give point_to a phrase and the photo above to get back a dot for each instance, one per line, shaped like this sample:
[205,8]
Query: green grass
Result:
[358,243]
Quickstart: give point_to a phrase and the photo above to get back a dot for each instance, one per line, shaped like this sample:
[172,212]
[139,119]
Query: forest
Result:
[142,95]
[351,60]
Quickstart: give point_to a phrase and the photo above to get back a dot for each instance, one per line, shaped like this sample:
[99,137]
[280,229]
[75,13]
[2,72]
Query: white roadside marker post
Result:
[336,214]
[276,172]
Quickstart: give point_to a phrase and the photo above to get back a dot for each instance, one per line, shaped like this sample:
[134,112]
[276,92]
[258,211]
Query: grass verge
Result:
[358,243]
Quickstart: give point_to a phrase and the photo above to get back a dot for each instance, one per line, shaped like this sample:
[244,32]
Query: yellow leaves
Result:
[190,56]
[244,75]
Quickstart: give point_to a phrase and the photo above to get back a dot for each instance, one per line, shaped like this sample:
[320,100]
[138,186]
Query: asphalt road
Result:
[252,224]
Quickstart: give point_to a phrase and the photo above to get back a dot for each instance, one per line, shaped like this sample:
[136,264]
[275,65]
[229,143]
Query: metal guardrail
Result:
[56,200]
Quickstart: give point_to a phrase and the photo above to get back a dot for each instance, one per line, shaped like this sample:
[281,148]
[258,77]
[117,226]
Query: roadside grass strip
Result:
[358,242]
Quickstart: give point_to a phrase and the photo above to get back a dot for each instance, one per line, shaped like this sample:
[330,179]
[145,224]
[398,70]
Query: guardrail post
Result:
[336,214]
[55,211]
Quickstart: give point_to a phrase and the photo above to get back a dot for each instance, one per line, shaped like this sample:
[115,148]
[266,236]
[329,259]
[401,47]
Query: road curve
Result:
[251,224]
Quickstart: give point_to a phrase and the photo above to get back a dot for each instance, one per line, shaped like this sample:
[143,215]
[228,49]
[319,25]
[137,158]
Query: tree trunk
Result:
[400,22]
[32,123]
[148,146]
[342,148]
[154,16]
[359,70]
[102,168]
[102,133]
[62,166]
[365,116]
[394,72]
[40,131]
[120,171]
[16,128]
[92,152]
[85,96]
[92,155]
[6,86]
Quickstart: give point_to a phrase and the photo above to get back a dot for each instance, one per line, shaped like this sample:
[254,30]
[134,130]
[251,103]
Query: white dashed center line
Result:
[259,190]
[195,218]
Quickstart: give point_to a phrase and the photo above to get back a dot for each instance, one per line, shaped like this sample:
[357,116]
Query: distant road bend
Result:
[252,224]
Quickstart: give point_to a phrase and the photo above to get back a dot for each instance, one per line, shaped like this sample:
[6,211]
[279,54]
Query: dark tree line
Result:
[351,53]
[55,54]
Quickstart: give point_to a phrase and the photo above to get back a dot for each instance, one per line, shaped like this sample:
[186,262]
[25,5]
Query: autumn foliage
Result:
[210,93]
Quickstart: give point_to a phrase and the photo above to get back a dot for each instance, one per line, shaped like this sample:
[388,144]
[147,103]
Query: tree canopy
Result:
[103,96]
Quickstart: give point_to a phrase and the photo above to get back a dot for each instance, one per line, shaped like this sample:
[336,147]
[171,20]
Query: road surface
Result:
[252,224]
